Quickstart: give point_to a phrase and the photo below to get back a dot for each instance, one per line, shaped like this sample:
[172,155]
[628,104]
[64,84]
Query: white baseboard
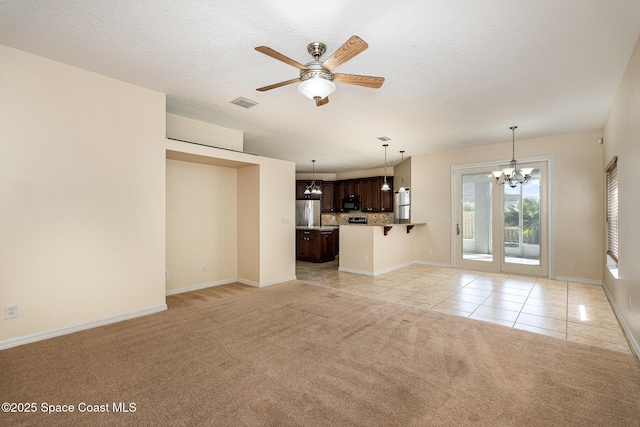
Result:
[435,264]
[200,286]
[627,331]
[227,282]
[377,272]
[392,268]
[264,284]
[579,280]
[28,339]
[356,271]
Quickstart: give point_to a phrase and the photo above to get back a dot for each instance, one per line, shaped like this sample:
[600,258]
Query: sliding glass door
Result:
[500,228]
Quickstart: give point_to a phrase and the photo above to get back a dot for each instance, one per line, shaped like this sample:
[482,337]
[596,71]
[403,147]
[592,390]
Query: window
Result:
[612,209]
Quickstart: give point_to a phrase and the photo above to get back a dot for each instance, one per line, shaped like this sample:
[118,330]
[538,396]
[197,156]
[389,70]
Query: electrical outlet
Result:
[366,258]
[430,251]
[288,263]
[10,311]
[446,219]
[572,263]
[166,274]
[204,268]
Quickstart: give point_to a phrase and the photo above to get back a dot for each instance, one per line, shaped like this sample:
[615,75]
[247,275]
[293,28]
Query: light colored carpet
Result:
[295,354]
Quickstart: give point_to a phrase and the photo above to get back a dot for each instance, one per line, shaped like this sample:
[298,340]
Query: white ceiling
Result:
[458,73]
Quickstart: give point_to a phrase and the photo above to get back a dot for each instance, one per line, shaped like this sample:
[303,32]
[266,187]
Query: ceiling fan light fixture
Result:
[316,87]
[317,78]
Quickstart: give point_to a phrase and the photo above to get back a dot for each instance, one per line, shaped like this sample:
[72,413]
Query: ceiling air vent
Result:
[244,102]
[384,138]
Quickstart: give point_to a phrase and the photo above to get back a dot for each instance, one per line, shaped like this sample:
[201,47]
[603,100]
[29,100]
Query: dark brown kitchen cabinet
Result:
[373,198]
[339,192]
[301,186]
[327,202]
[370,193]
[307,245]
[352,187]
[387,197]
[316,245]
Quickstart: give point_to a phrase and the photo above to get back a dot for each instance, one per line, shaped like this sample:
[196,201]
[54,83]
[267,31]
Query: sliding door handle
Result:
[457,229]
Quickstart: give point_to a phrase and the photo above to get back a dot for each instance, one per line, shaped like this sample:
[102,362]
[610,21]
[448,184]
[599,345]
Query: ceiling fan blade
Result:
[273,86]
[348,50]
[322,101]
[353,79]
[280,57]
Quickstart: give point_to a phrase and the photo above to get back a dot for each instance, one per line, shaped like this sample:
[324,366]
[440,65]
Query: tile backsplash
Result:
[372,218]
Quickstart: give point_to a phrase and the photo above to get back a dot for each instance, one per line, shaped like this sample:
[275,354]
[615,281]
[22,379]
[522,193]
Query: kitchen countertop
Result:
[388,224]
[317,227]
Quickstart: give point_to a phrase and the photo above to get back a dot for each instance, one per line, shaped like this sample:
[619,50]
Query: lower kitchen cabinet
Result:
[316,245]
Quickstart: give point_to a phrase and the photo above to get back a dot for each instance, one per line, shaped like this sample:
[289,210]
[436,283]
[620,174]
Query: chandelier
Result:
[512,175]
[313,188]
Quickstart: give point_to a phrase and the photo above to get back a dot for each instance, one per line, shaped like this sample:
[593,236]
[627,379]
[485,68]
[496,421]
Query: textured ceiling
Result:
[458,73]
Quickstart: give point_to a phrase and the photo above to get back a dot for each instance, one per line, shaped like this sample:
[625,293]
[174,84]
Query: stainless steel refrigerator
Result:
[308,213]
[402,206]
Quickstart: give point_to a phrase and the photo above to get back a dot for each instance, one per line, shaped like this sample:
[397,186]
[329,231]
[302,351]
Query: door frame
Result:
[491,165]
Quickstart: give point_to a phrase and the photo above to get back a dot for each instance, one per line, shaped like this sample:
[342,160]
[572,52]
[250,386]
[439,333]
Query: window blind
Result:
[612,208]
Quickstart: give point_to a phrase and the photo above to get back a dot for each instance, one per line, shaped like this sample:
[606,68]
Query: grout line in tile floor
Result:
[586,315]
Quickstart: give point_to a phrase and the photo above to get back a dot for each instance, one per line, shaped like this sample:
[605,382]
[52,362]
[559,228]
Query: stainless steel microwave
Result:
[352,203]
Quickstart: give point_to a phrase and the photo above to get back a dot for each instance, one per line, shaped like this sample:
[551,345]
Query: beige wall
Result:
[265,197]
[83,200]
[622,139]
[202,227]
[277,221]
[187,129]
[578,191]
[249,225]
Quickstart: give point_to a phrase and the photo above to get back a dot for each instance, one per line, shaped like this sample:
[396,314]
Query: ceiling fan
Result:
[317,77]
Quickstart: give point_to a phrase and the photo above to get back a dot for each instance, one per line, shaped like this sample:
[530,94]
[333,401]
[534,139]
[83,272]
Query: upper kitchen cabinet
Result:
[327,202]
[301,185]
[339,191]
[352,187]
[386,197]
[370,192]
[373,198]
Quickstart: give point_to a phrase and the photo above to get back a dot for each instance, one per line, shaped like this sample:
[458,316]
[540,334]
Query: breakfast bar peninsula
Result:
[377,249]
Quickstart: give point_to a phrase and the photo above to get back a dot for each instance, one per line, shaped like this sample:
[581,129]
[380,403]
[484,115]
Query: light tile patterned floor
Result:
[565,310]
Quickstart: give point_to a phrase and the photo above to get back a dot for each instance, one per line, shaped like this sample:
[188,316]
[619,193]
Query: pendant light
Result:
[313,188]
[511,174]
[402,189]
[385,185]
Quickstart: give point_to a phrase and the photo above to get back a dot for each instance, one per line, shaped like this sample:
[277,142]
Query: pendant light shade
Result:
[317,87]
[385,185]
[402,189]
